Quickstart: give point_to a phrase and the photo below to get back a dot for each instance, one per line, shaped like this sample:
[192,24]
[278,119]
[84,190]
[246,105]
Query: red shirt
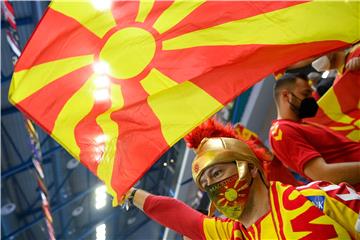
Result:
[296,143]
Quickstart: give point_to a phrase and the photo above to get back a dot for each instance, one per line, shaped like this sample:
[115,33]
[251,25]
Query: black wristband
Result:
[131,197]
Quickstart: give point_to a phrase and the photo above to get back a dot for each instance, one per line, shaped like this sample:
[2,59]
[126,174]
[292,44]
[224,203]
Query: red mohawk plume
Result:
[209,129]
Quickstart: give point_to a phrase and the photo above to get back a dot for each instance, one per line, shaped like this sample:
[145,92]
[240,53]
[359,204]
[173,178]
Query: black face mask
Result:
[308,107]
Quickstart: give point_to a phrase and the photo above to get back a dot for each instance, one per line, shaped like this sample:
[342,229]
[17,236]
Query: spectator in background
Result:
[333,60]
[313,151]
[320,85]
[315,78]
[333,64]
[343,60]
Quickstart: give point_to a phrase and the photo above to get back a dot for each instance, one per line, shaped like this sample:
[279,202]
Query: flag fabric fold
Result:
[117,87]
[339,107]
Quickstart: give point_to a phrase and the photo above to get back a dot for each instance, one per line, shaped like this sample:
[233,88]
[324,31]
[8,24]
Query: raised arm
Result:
[171,213]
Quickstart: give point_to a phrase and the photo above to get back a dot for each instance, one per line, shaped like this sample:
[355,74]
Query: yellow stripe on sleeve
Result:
[217,229]
[344,216]
[268,229]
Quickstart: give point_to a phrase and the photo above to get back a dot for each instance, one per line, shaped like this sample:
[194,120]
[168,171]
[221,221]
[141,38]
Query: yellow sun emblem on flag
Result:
[117,86]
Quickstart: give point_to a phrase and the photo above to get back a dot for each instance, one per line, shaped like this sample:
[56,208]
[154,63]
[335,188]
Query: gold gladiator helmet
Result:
[223,150]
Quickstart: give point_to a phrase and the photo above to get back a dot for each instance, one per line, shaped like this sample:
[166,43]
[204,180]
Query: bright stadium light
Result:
[101,95]
[102,81]
[100,197]
[102,5]
[101,67]
[101,232]
[101,139]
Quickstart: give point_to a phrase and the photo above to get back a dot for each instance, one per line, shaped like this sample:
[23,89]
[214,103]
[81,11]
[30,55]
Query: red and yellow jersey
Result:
[319,210]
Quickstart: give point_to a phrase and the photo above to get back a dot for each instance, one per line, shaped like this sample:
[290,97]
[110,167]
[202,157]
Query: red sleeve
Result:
[176,215]
[291,147]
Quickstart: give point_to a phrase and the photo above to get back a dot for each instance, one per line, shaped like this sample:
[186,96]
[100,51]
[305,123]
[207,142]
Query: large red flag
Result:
[339,108]
[116,87]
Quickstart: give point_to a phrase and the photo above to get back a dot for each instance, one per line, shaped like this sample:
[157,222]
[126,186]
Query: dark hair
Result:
[287,81]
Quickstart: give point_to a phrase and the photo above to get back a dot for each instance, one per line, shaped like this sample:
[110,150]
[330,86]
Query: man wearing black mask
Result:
[313,151]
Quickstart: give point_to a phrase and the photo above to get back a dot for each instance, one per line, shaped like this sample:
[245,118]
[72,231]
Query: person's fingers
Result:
[126,196]
[353,64]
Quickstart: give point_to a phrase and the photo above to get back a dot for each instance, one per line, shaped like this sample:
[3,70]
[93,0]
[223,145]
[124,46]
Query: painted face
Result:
[230,195]
[228,187]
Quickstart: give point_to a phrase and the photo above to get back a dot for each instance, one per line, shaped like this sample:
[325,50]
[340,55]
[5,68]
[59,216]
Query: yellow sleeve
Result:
[341,206]
[340,202]
[216,228]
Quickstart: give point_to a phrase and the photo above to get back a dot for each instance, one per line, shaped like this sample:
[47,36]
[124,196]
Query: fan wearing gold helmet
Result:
[230,171]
